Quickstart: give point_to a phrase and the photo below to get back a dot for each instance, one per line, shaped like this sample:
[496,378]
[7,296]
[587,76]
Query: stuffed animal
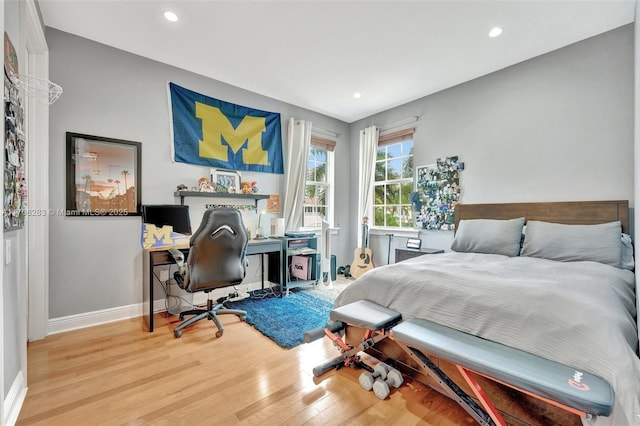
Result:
[246,188]
[205,186]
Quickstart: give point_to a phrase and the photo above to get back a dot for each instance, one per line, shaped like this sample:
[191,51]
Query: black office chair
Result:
[217,258]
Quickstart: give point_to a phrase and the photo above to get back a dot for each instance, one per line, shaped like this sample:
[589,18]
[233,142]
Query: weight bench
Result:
[375,319]
[577,392]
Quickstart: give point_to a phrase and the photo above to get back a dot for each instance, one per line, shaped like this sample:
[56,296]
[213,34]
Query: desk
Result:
[160,256]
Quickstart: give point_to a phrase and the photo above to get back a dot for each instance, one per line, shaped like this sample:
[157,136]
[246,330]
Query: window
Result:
[393,181]
[318,193]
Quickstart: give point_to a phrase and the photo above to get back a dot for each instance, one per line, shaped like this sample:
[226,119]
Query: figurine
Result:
[182,187]
[246,188]
[205,186]
[254,187]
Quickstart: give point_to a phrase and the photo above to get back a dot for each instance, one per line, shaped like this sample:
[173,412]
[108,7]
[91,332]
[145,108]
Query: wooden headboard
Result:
[569,212]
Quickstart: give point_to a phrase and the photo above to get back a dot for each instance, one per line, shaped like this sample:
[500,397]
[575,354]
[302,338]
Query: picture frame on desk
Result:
[414,243]
[103,176]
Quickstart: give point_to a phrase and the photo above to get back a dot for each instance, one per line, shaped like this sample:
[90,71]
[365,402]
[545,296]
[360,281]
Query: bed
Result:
[551,288]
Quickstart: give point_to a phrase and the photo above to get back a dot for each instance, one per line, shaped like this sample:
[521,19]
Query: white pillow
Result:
[491,236]
[572,243]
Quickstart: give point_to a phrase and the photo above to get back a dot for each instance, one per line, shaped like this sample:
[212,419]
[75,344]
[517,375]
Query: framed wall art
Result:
[273,203]
[103,176]
[226,180]
[438,191]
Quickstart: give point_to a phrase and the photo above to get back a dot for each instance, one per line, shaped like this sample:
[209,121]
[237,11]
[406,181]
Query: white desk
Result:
[160,256]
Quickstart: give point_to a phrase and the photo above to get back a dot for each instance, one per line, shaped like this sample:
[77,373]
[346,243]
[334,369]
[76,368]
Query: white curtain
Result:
[368,149]
[298,142]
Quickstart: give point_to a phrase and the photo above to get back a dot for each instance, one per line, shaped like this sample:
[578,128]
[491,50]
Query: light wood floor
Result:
[120,374]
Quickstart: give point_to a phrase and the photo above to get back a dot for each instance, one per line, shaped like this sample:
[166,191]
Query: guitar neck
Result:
[365,237]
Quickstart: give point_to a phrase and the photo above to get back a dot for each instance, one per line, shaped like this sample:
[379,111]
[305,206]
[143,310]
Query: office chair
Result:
[216,259]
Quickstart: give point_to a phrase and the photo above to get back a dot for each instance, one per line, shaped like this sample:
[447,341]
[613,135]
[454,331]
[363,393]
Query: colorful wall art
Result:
[15,184]
[437,193]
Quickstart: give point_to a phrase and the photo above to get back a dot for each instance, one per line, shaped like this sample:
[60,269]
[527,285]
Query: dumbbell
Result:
[381,386]
[367,379]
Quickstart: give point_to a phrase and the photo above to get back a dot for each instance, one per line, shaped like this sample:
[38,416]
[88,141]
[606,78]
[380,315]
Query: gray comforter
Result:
[578,313]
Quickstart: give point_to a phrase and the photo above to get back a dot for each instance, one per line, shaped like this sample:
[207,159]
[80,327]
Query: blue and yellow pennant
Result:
[153,237]
[214,133]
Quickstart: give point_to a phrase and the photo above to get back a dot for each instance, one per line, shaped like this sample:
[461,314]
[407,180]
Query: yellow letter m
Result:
[215,126]
[152,234]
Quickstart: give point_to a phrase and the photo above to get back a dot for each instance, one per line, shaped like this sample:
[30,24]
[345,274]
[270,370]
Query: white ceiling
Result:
[317,54]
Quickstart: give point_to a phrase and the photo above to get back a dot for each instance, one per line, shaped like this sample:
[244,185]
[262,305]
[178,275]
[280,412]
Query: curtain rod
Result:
[324,132]
[399,123]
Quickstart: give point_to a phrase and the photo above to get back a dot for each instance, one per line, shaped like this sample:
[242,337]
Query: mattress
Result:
[581,314]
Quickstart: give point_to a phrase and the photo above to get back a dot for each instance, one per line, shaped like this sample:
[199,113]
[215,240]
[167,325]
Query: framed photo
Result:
[273,203]
[103,176]
[414,243]
[226,180]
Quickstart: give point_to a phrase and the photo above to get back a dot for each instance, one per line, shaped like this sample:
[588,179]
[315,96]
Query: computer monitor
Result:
[168,214]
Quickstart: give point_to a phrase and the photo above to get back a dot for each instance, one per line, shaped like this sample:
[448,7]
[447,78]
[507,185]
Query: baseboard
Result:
[104,316]
[13,400]
[90,319]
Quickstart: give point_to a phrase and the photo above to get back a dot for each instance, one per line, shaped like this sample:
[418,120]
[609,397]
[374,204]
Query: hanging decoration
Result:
[437,193]
[214,133]
[15,184]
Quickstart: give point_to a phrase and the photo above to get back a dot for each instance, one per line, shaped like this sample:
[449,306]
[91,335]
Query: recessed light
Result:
[495,32]
[357,95]
[170,16]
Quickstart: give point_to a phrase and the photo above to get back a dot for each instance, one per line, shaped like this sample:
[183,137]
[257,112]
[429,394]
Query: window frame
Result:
[385,141]
[328,145]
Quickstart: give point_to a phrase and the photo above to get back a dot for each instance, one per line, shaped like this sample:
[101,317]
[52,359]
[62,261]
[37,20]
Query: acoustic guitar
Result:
[363,256]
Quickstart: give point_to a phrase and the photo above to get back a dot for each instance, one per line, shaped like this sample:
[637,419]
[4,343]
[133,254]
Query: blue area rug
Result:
[284,320]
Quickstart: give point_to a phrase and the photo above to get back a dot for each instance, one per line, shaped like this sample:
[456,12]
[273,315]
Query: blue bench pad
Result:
[366,314]
[548,379]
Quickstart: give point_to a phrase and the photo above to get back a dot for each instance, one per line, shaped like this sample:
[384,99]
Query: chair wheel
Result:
[177,333]
[219,333]
[181,317]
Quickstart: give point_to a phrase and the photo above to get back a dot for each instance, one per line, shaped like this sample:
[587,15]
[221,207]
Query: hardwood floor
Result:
[120,374]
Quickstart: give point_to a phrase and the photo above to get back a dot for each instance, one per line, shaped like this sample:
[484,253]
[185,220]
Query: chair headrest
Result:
[218,248]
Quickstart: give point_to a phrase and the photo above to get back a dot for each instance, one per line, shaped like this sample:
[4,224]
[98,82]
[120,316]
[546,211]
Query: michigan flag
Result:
[214,133]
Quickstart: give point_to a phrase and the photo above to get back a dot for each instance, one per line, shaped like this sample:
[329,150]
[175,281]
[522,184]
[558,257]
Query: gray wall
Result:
[556,127]
[96,263]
